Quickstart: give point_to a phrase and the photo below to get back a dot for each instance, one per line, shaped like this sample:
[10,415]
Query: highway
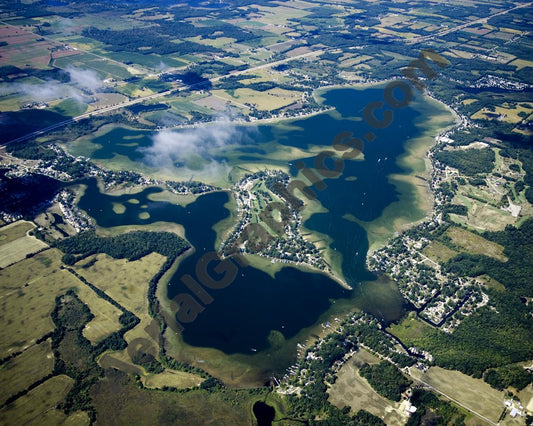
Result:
[150,97]
[463,26]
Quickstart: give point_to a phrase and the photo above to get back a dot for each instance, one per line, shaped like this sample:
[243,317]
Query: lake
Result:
[258,314]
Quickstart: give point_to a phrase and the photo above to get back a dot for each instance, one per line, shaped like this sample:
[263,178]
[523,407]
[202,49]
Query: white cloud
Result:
[84,78]
[171,147]
[81,79]
[48,91]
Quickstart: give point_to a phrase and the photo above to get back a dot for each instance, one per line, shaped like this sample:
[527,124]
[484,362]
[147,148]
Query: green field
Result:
[438,252]
[156,62]
[17,250]
[70,107]
[103,67]
[410,328]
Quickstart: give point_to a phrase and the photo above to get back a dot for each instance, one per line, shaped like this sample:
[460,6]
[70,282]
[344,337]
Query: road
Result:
[427,385]
[481,416]
[150,97]
[462,26]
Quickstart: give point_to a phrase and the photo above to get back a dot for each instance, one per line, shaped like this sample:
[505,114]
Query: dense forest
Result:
[132,245]
[433,411]
[504,377]
[386,379]
[469,162]
[145,41]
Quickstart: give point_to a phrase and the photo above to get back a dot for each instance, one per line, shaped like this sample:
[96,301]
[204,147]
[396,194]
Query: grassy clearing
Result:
[126,366]
[56,417]
[508,115]
[103,66]
[475,244]
[491,282]
[521,63]
[354,391]
[468,101]
[25,369]
[350,62]
[474,394]
[438,252]
[69,107]
[14,231]
[526,396]
[175,379]
[484,217]
[409,328]
[17,250]
[36,402]
[152,61]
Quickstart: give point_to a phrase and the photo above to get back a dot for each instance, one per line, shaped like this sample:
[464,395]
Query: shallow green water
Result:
[242,316]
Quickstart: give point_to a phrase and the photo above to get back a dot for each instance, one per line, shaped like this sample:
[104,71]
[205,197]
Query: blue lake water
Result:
[243,315]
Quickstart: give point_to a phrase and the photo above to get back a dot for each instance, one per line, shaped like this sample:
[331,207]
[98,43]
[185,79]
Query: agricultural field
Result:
[511,115]
[354,391]
[28,289]
[105,321]
[483,217]
[17,250]
[16,244]
[14,231]
[126,282]
[104,67]
[265,101]
[23,48]
[37,402]
[25,369]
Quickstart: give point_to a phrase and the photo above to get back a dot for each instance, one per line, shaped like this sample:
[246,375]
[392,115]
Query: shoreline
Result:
[420,182]
[279,264]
